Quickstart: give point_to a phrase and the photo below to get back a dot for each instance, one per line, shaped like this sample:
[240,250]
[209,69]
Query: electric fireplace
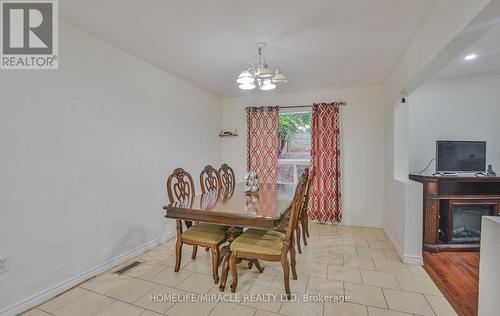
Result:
[460,221]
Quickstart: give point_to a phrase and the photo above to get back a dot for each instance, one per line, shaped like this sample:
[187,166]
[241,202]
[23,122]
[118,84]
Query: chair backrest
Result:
[180,186]
[298,200]
[310,183]
[227,178]
[209,179]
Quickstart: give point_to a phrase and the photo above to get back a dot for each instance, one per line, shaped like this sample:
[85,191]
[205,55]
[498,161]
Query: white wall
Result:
[363,141]
[84,155]
[454,109]
[435,44]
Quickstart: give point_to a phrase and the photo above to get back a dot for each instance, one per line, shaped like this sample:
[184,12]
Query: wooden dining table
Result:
[236,209]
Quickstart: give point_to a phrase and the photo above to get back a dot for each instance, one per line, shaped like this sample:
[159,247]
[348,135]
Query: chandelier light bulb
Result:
[247,86]
[260,75]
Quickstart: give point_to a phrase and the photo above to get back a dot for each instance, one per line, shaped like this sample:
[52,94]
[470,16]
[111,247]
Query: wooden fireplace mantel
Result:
[439,190]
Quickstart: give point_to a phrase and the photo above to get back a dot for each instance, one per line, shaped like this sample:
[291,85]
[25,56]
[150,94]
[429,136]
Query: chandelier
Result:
[260,75]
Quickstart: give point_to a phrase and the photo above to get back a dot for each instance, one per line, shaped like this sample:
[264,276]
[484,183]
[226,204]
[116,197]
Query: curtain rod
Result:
[306,106]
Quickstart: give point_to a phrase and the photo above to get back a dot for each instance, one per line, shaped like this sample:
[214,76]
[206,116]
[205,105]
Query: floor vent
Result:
[128,267]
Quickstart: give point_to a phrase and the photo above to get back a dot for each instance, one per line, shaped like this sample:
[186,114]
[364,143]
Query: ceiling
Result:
[487,49]
[318,44]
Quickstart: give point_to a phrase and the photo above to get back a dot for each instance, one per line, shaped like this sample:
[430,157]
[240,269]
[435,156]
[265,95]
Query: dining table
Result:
[237,210]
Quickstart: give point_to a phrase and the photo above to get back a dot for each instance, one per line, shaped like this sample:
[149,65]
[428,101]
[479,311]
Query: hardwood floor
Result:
[457,276]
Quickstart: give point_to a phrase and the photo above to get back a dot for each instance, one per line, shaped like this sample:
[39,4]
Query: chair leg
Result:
[293,262]
[304,231]
[250,264]
[258,266]
[225,271]
[234,271]
[207,249]
[215,263]
[286,273]
[297,234]
[178,254]
[195,250]
[307,226]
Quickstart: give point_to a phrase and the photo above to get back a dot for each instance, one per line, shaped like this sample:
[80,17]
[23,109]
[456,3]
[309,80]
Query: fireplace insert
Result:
[460,221]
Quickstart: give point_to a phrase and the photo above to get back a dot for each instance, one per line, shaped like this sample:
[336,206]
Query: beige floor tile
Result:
[417,270]
[146,270]
[63,299]
[104,282]
[149,313]
[342,249]
[272,305]
[418,284]
[262,279]
[265,313]
[345,309]
[329,258]
[390,266]
[131,290]
[229,309]
[374,311]
[440,305]
[344,274]
[86,305]
[199,267]
[325,287]
[365,294]
[380,279]
[370,252]
[157,299]
[392,255]
[408,302]
[296,286]
[120,309]
[35,312]
[170,278]
[381,244]
[319,270]
[359,262]
[356,242]
[197,283]
[301,309]
[191,309]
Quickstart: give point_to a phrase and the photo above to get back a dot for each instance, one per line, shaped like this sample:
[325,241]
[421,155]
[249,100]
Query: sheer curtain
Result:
[262,142]
[325,203]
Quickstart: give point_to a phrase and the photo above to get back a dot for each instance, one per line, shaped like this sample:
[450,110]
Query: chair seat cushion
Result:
[266,242]
[205,233]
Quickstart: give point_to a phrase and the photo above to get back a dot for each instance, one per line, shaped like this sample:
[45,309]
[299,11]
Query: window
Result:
[294,145]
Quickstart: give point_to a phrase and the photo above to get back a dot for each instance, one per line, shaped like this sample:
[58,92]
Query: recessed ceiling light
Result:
[470,57]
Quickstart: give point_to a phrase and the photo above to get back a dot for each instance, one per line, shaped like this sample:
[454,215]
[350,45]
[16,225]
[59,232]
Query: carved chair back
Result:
[310,183]
[180,186]
[298,200]
[227,178]
[210,179]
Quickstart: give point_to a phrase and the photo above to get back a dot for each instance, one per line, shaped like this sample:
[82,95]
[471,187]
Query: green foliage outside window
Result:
[290,124]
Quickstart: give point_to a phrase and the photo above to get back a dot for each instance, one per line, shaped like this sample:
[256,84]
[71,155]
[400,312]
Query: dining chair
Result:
[270,245]
[303,218]
[227,177]
[180,187]
[210,179]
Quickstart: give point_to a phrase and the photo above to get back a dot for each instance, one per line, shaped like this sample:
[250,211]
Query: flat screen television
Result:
[460,156]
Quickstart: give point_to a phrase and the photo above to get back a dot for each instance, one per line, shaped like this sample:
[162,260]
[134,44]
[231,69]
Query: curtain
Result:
[325,202]
[262,142]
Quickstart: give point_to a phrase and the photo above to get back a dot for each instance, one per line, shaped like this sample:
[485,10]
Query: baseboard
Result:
[417,260]
[347,222]
[52,292]
[398,248]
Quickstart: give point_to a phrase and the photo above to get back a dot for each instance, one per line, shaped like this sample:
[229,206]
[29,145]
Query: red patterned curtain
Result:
[325,202]
[262,142]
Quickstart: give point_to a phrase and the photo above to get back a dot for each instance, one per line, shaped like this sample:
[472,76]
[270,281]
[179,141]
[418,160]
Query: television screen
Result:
[461,156]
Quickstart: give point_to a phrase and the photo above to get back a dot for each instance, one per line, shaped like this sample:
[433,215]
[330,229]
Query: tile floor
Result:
[340,260]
